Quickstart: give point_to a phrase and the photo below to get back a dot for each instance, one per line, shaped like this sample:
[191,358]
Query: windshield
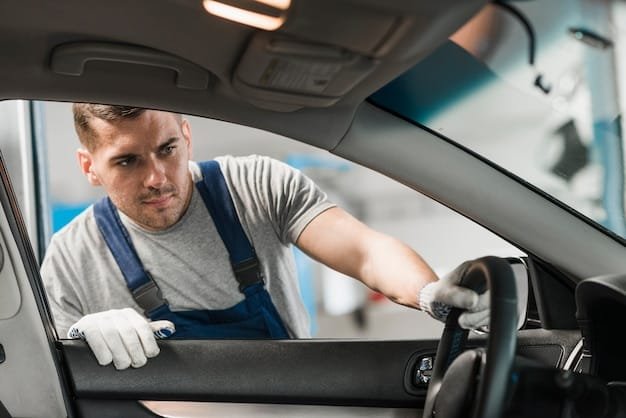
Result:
[537,89]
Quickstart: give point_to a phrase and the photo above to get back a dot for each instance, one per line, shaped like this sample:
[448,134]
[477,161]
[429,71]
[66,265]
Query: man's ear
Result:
[85,160]
[184,125]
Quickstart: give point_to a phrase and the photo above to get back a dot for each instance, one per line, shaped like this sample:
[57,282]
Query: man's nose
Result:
[155,175]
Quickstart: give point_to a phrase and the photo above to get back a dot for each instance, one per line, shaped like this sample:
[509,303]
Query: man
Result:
[205,248]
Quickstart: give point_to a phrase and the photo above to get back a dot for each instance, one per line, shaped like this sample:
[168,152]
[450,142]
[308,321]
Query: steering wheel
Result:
[452,390]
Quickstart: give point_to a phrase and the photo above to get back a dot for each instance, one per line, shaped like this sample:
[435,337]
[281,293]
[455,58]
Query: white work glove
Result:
[121,336]
[438,298]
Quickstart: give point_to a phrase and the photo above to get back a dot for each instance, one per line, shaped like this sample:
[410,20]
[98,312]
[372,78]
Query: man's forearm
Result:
[395,270]
[381,262]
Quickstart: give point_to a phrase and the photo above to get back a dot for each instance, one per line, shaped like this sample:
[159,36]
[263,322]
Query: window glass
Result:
[557,123]
[339,307]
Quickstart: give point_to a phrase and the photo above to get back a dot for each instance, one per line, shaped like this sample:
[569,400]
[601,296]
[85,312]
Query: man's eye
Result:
[169,149]
[126,161]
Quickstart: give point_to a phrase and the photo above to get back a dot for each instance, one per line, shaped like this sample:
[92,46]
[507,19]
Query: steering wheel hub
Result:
[459,385]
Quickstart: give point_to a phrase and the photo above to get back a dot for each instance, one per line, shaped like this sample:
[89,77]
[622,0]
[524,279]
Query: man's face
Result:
[142,164]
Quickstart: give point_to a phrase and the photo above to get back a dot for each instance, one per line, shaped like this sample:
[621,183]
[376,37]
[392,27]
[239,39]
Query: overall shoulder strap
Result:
[218,201]
[145,291]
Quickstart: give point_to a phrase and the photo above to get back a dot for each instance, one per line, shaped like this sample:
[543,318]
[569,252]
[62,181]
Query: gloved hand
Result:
[121,336]
[437,298]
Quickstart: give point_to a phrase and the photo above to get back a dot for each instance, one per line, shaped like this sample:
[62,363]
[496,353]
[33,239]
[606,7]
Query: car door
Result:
[338,377]
[45,376]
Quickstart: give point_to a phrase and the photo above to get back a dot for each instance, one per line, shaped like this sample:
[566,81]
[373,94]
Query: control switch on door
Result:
[424,371]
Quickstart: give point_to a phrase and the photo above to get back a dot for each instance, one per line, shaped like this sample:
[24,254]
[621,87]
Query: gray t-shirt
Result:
[188,260]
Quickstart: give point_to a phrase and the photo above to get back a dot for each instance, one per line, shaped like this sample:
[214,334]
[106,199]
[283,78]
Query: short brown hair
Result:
[84,112]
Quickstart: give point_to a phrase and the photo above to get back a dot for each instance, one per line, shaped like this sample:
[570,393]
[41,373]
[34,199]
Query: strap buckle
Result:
[248,272]
[148,296]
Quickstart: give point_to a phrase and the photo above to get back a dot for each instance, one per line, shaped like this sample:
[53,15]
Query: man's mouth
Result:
[160,201]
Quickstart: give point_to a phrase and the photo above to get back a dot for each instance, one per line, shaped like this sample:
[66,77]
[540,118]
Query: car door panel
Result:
[365,373]
[338,377]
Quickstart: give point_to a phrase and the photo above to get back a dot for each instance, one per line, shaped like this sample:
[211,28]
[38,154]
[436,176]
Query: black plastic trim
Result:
[40,177]
[553,294]
[601,305]
[314,372]
[94,408]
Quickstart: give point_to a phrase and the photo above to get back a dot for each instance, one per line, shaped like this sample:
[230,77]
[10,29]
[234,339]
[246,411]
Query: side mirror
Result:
[522,282]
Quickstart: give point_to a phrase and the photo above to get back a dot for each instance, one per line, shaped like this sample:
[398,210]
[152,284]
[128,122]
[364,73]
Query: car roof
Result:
[328,56]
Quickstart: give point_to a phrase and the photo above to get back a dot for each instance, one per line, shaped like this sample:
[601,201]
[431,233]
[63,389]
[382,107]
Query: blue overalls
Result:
[254,317]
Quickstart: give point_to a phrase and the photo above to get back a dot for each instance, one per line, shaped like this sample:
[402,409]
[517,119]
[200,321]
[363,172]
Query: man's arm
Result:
[387,265]
[381,262]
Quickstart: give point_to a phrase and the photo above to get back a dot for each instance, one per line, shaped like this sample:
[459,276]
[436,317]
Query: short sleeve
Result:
[290,199]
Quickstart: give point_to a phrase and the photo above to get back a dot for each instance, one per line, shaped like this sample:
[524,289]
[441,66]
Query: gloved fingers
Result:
[458,297]
[144,332]
[129,334]
[162,329]
[144,337]
[484,300]
[474,320]
[121,336]
[98,345]
[113,339]
[455,275]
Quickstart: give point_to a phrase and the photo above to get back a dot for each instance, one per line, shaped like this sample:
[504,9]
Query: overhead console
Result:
[327,49]
[286,74]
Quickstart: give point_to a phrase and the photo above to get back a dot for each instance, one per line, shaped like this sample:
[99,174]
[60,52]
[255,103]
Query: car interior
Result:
[318,72]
